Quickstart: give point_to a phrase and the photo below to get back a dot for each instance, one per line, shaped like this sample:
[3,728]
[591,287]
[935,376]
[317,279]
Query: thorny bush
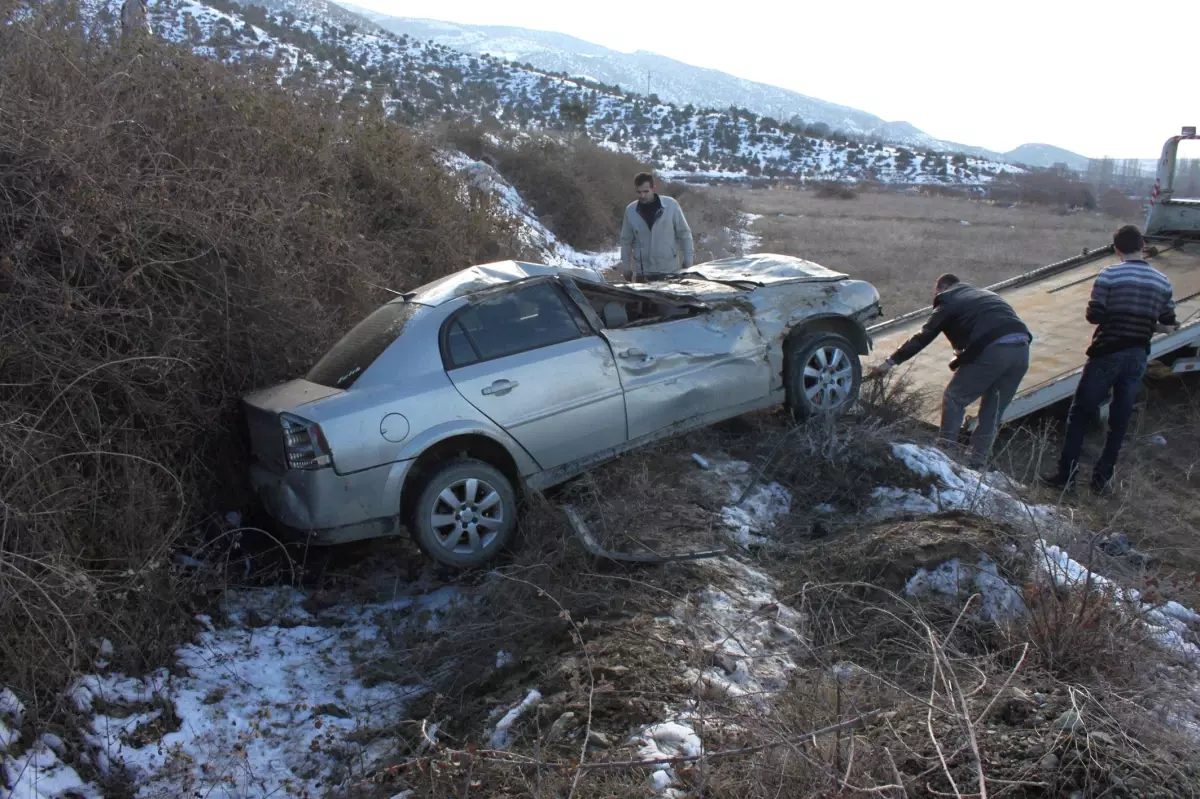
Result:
[173,232]
[579,189]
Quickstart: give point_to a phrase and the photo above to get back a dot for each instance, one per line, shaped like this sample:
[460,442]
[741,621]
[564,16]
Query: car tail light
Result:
[305,446]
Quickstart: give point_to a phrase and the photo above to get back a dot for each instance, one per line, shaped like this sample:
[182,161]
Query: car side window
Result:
[513,322]
[618,309]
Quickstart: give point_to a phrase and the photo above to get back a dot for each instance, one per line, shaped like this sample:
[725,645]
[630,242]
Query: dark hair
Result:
[946,281]
[643,177]
[1128,240]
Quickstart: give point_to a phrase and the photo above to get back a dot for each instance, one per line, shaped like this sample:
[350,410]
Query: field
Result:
[902,242]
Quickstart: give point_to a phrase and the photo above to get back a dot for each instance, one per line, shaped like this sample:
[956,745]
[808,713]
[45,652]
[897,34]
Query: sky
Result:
[982,73]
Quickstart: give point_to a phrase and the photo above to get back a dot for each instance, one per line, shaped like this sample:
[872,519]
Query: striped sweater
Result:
[1128,300]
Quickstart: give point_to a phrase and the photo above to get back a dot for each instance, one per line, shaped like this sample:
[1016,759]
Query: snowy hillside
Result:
[681,83]
[671,80]
[419,82]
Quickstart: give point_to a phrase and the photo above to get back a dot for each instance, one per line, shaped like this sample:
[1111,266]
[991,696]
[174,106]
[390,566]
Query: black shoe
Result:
[1101,487]
[1056,479]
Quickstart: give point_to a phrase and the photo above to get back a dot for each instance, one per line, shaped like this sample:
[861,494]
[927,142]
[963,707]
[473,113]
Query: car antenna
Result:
[385,288]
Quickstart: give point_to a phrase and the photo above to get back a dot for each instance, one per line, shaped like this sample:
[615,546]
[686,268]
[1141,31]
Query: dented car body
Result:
[433,413]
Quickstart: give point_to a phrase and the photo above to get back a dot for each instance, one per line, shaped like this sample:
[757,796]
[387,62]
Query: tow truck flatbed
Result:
[1051,300]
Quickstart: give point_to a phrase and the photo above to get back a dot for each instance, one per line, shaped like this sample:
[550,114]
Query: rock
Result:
[599,739]
[1069,721]
[1049,762]
[256,620]
[330,709]
[561,726]
[1116,545]
[1102,737]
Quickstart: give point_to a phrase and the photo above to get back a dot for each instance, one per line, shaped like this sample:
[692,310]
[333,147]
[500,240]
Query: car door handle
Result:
[633,352]
[500,387]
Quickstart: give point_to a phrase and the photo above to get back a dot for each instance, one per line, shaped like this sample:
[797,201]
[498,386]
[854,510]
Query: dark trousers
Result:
[993,378]
[1119,372]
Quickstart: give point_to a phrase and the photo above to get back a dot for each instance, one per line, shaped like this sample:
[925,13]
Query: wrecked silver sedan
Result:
[437,409]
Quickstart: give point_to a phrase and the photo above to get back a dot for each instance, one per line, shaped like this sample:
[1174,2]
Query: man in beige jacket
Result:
[655,238]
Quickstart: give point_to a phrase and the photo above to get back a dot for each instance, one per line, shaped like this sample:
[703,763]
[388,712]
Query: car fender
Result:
[821,323]
[398,471]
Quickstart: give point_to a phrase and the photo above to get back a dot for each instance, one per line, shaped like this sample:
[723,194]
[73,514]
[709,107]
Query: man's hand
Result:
[1161,328]
[880,370]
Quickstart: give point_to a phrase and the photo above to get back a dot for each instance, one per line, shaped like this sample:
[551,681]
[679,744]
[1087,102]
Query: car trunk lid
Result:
[262,417]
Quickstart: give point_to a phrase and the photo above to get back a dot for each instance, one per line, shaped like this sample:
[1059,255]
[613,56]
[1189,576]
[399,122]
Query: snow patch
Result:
[274,705]
[759,508]
[959,488]
[501,737]
[665,740]
[1000,600]
[956,487]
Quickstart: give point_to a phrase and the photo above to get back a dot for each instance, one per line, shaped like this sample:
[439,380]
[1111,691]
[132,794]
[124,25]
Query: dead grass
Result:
[1153,504]
[901,243]
[931,695]
[172,234]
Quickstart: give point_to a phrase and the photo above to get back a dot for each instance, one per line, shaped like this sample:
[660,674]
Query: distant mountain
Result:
[1045,155]
[649,73]
[420,84]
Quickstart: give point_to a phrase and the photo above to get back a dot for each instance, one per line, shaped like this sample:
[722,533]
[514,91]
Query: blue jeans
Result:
[1119,372]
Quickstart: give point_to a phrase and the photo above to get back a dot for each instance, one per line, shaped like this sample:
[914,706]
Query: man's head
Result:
[643,183]
[944,282]
[1128,241]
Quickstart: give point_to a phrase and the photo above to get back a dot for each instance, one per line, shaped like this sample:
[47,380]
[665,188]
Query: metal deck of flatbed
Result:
[1052,301]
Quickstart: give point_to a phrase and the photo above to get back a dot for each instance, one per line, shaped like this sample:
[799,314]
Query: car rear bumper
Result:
[324,507]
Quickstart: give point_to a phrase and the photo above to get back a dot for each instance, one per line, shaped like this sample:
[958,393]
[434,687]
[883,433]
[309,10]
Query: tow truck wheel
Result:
[823,375]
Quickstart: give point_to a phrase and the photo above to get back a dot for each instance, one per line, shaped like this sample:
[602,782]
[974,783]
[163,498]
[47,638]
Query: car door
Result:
[528,360]
[688,366]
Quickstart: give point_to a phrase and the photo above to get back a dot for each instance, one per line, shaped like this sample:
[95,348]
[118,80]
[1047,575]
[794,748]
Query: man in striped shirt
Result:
[1130,302]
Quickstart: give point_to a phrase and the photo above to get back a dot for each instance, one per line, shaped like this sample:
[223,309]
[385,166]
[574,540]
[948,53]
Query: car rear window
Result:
[359,348]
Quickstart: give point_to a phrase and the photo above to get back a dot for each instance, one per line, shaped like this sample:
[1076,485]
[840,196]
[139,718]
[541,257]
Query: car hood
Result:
[762,269]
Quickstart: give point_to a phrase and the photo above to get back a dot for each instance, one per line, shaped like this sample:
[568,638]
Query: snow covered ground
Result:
[277,699]
[995,496]
[277,703]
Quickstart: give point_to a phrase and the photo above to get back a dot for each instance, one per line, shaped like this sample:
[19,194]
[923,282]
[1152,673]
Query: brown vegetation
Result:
[892,695]
[174,233]
[579,189]
[901,242]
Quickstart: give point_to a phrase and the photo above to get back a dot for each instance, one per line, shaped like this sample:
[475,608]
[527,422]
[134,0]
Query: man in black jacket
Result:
[991,346]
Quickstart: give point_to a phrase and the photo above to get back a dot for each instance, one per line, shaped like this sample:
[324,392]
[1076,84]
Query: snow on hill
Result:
[678,82]
[420,82]
[669,79]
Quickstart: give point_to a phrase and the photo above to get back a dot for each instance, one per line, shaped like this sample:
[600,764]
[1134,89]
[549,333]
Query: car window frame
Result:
[583,326]
[691,310]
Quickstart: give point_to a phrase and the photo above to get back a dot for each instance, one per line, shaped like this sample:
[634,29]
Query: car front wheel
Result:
[824,375]
[465,514]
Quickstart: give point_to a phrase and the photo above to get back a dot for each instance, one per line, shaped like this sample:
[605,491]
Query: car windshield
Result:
[359,348]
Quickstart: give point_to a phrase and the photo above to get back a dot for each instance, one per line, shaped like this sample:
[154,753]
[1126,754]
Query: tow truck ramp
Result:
[1052,301]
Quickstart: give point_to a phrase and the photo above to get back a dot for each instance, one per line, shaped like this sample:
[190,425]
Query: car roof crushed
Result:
[742,273]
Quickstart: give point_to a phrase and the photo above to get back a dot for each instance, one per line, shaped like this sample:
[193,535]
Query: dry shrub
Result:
[172,234]
[1078,631]
[840,460]
[832,190]
[716,221]
[580,190]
